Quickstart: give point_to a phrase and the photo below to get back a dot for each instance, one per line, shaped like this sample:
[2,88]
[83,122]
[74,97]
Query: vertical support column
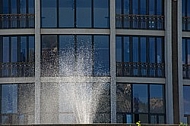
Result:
[37,61]
[113,61]
[175,61]
[180,68]
[168,60]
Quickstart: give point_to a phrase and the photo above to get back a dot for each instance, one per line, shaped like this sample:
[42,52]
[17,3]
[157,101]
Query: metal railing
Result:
[16,21]
[186,23]
[17,69]
[139,69]
[132,21]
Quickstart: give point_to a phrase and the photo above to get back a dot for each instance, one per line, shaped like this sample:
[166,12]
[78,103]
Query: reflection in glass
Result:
[186,99]
[101,55]
[66,13]
[17,104]
[83,13]
[124,97]
[140,98]
[101,14]
[49,13]
[156,99]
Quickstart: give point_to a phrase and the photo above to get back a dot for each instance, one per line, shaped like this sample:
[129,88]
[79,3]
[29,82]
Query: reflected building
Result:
[128,60]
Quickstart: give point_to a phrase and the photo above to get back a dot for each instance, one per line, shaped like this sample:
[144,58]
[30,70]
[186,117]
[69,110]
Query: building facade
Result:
[124,60]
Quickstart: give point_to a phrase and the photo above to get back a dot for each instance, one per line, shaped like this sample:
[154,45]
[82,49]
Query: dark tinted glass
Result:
[186,99]
[49,13]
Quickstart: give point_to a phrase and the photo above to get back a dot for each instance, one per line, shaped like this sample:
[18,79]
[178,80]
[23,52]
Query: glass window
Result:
[118,49]
[135,5]
[143,50]
[143,7]
[14,49]
[101,13]
[23,49]
[31,49]
[124,98]
[83,13]
[6,49]
[84,54]
[156,99]
[126,49]
[101,55]
[66,13]
[159,7]
[140,98]
[152,7]
[49,13]
[186,99]
[66,55]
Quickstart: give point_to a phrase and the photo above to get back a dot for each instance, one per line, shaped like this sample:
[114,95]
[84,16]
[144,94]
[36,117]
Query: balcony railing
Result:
[17,69]
[16,21]
[131,21]
[186,71]
[186,23]
[139,69]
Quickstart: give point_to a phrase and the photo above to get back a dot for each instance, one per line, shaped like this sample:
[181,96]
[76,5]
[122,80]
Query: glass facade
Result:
[16,14]
[17,56]
[140,14]
[75,13]
[75,103]
[69,55]
[17,104]
[140,56]
[144,102]
[185,15]
[186,57]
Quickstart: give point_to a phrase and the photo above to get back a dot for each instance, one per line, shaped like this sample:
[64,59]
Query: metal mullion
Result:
[27,12]
[123,53]
[186,24]
[156,25]
[186,58]
[9,4]
[122,12]
[147,9]
[138,18]
[163,56]
[18,11]
[75,13]
[131,13]
[27,48]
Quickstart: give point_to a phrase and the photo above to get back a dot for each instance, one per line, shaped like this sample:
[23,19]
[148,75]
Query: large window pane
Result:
[126,49]
[101,55]
[66,13]
[49,13]
[156,99]
[118,49]
[101,13]
[83,13]
[140,98]
[186,99]
[66,55]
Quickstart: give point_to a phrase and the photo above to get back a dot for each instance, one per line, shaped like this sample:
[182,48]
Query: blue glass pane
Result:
[49,13]
[156,99]
[159,7]
[66,55]
[152,50]
[23,49]
[152,7]
[23,6]
[118,6]
[13,6]
[135,49]
[5,49]
[31,49]
[126,49]
[6,7]
[118,49]
[83,13]
[183,8]
[140,98]
[143,7]
[31,6]
[14,49]
[188,51]
[188,10]
[186,99]
[135,7]
[184,51]
[84,55]
[66,13]
[126,6]
[101,55]
[160,53]
[9,99]
[143,49]
[101,13]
